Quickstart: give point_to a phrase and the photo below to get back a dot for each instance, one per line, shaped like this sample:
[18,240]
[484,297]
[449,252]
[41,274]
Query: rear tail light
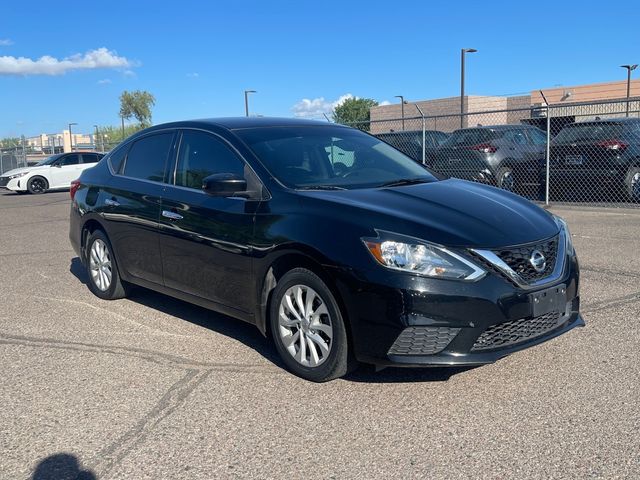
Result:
[75,185]
[617,145]
[483,147]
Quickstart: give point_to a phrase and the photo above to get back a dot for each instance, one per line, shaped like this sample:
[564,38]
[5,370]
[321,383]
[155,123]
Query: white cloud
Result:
[193,75]
[317,107]
[104,81]
[384,103]
[47,65]
[5,42]
[129,74]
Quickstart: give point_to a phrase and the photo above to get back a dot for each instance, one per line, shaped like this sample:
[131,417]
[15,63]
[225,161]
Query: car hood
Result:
[449,212]
[24,169]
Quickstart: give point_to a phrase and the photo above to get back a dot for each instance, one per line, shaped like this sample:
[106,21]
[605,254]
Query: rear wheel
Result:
[632,184]
[104,280]
[37,185]
[308,328]
[506,179]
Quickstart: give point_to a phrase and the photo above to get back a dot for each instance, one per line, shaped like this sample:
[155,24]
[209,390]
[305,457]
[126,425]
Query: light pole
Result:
[95,140]
[246,101]
[463,51]
[629,69]
[71,136]
[402,108]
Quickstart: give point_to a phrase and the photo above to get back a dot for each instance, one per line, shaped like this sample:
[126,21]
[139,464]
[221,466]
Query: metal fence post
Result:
[548,151]
[424,136]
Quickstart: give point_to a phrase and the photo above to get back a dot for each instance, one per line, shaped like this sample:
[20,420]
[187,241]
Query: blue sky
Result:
[198,57]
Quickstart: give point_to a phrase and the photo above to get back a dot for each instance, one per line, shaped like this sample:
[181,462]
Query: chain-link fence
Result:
[574,152]
[11,158]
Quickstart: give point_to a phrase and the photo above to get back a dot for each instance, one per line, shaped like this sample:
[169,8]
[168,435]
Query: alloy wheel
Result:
[305,326]
[38,185]
[635,186]
[508,181]
[100,265]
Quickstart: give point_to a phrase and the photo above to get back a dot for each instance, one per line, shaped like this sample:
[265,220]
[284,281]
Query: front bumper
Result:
[14,184]
[405,320]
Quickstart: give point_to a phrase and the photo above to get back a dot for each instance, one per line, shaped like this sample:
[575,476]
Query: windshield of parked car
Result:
[48,160]
[589,132]
[331,157]
[471,136]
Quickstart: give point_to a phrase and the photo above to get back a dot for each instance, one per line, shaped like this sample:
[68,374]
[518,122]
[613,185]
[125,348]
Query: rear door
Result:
[206,240]
[132,204]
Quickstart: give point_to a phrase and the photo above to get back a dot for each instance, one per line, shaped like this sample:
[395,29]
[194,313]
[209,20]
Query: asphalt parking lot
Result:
[151,387]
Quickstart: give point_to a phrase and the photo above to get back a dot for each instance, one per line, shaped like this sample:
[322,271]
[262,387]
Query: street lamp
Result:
[629,68]
[71,136]
[95,140]
[246,101]
[462,53]
[402,106]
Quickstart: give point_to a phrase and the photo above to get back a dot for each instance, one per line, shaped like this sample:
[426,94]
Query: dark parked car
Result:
[602,153]
[410,143]
[507,156]
[379,262]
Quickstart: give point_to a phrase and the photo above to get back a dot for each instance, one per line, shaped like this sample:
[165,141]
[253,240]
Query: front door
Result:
[65,170]
[206,240]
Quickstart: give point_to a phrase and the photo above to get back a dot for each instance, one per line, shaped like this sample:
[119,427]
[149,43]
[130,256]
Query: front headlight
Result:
[567,234]
[422,258]
[17,175]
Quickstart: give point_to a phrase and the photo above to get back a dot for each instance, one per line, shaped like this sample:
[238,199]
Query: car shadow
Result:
[61,466]
[250,336]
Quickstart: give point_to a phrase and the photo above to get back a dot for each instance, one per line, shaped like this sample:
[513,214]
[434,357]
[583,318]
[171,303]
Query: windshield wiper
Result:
[405,181]
[320,187]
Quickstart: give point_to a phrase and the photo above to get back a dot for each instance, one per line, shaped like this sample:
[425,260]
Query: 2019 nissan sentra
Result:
[376,261]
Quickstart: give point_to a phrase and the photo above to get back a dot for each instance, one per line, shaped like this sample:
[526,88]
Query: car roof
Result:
[608,120]
[499,127]
[406,132]
[235,123]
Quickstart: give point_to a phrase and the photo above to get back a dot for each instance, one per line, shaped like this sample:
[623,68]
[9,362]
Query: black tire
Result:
[37,185]
[338,361]
[116,288]
[632,184]
[506,179]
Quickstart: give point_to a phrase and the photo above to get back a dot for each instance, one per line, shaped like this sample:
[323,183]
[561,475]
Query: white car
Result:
[53,173]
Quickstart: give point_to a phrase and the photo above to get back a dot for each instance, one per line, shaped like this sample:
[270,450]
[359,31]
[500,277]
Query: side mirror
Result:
[57,165]
[224,185]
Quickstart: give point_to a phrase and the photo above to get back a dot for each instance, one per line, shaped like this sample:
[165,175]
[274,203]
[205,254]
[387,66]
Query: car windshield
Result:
[471,136]
[589,132]
[331,157]
[48,160]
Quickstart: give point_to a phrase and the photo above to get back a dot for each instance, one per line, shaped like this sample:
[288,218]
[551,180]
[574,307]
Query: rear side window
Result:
[537,137]
[116,158]
[89,158]
[148,156]
[201,155]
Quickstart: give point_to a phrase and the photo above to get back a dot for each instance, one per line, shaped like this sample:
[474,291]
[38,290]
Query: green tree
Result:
[355,112]
[137,104]
[10,142]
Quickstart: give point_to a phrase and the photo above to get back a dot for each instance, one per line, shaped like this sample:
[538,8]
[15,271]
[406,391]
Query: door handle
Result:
[111,202]
[171,215]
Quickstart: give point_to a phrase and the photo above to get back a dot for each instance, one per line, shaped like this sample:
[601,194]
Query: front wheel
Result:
[308,328]
[37,185]
[632,184]
[104,279]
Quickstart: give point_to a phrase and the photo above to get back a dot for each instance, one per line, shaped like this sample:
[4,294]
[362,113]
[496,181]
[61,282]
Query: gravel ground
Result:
[151,387]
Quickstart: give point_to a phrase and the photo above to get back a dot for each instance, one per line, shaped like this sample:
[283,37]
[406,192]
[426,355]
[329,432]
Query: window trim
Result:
[265,193]
[132,141]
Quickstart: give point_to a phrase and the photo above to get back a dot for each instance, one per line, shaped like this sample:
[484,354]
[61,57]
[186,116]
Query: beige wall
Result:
[586,93]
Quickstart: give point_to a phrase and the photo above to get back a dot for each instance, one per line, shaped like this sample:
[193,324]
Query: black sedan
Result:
[332,242]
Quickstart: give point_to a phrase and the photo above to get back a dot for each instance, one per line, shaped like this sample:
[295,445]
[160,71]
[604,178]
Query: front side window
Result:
[73,159]
[148,156]
[201,155]
[537,137]
[330,157]
[516,137]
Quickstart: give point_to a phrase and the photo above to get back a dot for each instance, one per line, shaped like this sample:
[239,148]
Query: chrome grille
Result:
[518,259]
